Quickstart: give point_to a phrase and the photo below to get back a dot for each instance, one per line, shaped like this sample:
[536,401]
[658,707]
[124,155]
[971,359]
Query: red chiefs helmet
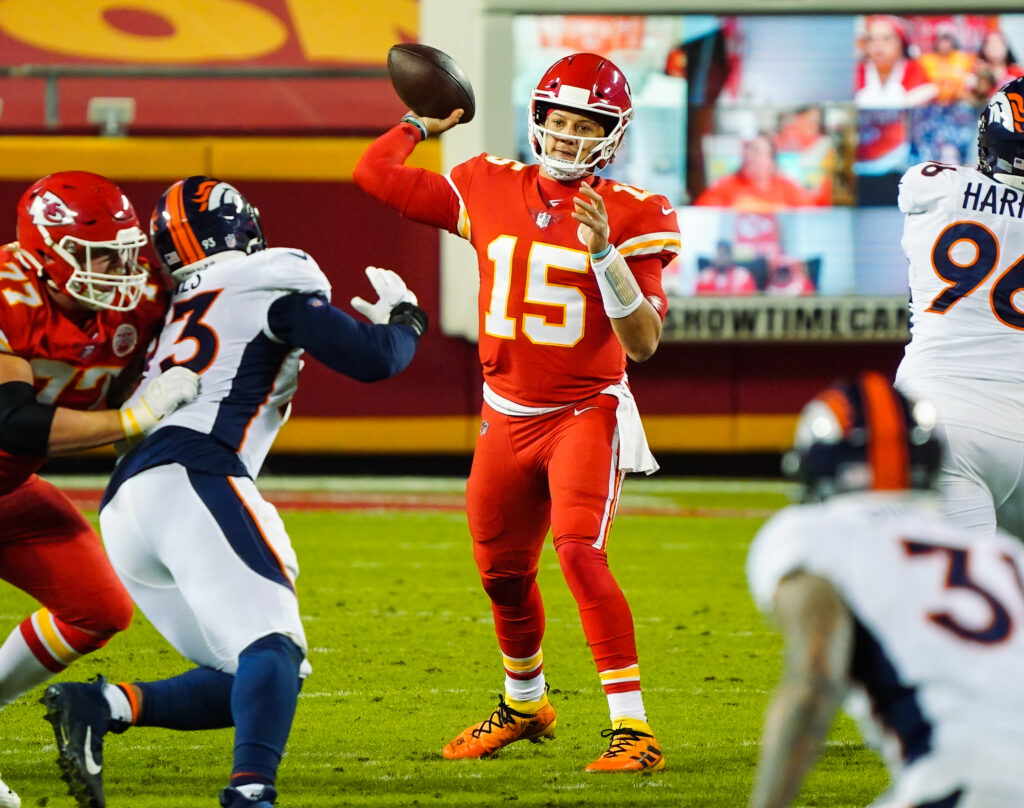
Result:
[586,84]
[82,234]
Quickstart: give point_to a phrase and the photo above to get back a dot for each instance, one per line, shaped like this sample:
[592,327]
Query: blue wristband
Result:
[602,254]
[417,123]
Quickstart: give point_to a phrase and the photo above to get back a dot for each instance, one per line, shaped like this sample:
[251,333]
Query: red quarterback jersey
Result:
[74,361]
[545,339]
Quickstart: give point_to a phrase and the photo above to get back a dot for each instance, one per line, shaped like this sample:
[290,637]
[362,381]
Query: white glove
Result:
[391,290]
[162,396]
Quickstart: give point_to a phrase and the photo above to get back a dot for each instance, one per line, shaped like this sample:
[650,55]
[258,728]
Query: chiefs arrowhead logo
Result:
[49,210]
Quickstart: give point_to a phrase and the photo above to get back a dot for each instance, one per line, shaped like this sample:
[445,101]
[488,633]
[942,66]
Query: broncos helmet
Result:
[198,218]
[82,236]
[586,84]
[1001,135]
[863,435]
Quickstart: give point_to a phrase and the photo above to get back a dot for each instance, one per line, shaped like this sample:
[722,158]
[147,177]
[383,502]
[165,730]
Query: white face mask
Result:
[117,290]
[602,151]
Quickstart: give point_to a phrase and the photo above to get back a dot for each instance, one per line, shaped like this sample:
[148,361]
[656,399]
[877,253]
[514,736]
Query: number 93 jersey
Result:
[218,327]
[938,650]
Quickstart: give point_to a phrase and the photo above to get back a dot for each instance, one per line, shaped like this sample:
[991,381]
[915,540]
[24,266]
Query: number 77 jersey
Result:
[544,336]
[964,237]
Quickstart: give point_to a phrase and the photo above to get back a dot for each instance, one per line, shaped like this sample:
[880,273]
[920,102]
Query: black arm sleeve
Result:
[364,351]
[24,422]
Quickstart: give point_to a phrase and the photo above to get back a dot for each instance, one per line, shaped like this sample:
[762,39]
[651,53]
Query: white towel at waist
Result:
[634,453]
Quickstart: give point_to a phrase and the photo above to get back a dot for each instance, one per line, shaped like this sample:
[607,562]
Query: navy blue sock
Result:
[197,699]
[263,705]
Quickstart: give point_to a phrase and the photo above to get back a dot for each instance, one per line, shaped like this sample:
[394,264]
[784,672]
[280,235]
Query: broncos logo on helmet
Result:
[199,218]
[863,435]
[1001,136]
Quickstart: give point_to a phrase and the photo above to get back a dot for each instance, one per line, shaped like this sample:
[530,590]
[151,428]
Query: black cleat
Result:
[81,717]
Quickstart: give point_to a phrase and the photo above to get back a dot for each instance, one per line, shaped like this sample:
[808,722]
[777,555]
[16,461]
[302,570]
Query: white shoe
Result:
[8,799]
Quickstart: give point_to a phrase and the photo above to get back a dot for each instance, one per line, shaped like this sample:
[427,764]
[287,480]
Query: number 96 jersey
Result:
[964,238]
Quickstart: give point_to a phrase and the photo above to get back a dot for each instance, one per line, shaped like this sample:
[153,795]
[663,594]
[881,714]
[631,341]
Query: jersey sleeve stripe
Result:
[650,244]
[465,229]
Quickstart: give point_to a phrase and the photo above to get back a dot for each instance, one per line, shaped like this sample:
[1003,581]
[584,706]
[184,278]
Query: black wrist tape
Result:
[410,315]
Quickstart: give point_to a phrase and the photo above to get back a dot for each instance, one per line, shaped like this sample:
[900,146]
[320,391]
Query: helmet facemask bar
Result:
[97,289]
[604,148]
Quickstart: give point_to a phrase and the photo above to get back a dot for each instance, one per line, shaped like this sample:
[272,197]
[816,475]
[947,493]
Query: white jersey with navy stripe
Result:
[964,239]
[217,326]
[939,651]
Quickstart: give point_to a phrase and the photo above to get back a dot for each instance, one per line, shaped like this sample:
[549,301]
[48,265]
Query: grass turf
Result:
[404,657]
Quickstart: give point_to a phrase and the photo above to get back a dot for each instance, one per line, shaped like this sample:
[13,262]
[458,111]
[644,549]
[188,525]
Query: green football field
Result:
[404,657]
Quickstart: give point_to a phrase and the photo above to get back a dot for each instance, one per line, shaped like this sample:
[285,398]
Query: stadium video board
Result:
[781,141]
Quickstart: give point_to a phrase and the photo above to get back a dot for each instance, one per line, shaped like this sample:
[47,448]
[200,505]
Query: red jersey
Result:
[545,339]
[74,362]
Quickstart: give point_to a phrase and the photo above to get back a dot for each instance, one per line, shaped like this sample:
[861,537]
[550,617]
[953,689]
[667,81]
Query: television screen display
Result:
[781,140]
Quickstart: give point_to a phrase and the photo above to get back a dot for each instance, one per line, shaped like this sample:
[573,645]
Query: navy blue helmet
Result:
[862,435]
[199,217]
[1001,135]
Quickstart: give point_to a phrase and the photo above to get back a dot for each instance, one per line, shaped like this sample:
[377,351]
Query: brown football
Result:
[430,82]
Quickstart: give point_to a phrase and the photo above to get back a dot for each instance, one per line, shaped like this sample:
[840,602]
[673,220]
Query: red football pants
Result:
[50,551]
[560,471]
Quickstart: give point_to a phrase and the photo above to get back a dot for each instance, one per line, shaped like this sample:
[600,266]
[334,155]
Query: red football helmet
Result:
[82,234]
[586,84]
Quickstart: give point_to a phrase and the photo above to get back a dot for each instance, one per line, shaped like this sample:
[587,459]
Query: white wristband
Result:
[620,292]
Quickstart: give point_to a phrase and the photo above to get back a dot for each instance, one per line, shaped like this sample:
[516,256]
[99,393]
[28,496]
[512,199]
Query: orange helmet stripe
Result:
[888,453]
[185,241]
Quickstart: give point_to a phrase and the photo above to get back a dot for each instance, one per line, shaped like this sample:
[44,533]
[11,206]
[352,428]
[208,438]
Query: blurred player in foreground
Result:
[964,239]
[199,550]
[77,312]
[885,604]
[570,284]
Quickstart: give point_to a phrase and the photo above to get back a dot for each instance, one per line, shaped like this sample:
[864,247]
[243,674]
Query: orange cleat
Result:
[630,750]
[505,726]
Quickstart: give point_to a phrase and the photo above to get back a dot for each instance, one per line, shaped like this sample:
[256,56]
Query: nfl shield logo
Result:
[543,219]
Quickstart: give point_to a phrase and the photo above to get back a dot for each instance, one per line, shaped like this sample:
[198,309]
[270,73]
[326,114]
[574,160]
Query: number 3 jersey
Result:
[964,238]
[544,336]
[74,362]
[939,618]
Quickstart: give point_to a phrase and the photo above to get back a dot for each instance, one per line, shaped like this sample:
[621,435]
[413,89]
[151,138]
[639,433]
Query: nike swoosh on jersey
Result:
[91,765]
[667,211]
[580,412]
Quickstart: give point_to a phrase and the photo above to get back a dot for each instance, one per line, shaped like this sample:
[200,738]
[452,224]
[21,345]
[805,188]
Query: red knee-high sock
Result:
[607,621]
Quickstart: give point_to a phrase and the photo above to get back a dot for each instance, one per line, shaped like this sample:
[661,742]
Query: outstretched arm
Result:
[416,193]
[818,630]
[367,352]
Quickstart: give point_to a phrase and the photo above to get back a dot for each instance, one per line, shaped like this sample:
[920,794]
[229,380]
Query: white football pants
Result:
[206,559]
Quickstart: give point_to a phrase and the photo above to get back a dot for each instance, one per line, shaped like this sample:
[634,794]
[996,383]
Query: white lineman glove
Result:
[391,290]
[162,396]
